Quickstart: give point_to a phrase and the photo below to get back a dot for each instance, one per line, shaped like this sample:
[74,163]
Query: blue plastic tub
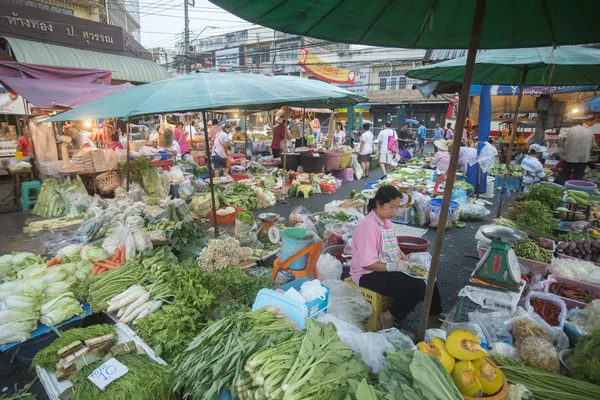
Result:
[437,202]
[572,334]
[584,186]
[314,307]
[369,185]
[292,241]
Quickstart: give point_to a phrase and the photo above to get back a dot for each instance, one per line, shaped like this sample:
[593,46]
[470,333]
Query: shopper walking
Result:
[366,149]
[438,134]
[220,152]
[449,132]
[422,133]
[387,147]
[579,141]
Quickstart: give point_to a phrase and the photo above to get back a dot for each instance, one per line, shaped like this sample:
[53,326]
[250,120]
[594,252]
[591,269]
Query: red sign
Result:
[326,72]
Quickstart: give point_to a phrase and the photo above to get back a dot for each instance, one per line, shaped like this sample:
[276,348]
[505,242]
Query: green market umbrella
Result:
[360,120]
[472,24]
[562,66]
[400,117]
[546,66]
[351,113]
[213,91]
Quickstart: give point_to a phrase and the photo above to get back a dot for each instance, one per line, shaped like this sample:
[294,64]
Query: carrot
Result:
[118,254]
[95,270]
[106,264]
[102,270]
[115,258]
[123,254]
[52,262]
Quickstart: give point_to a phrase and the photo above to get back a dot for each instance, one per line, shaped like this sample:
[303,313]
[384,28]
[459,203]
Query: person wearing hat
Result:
[441,159]
[533,170]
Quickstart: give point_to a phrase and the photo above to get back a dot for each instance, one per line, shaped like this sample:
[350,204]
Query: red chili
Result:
[548,311]
[573,293]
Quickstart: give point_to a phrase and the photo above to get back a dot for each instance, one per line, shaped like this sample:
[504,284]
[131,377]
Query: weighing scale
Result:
[268,228]
[499,266]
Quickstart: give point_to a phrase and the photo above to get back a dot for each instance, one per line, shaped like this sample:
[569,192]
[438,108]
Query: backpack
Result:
[392,144]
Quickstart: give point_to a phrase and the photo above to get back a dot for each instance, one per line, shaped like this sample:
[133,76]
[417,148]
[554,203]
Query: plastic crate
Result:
[465,306]
[315,306]
[163,164]
[239,177]
[575,284]
[378,303]
[328,187]
[346,174]
[223,220]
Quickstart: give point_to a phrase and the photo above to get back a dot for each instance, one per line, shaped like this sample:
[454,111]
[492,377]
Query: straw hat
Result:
[441,144]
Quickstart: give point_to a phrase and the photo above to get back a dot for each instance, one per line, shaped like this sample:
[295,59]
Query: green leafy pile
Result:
[572,236]
[145,379]
[137,169]
[363,391]
[416,375]
[199,299]
[47,358]
[237,195]
[529,249]
[545,193]
[584,360]
[537,217]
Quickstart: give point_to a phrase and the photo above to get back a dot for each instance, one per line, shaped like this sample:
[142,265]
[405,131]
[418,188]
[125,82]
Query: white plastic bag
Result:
[549,298]
[312,290]
[186,190]
[141,240]
[347,303]
[121,236]
[358,170]
[473,212]
[329,267]
[176,176]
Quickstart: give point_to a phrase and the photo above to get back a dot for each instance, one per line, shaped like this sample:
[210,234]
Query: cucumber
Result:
[571,200]
[579,193]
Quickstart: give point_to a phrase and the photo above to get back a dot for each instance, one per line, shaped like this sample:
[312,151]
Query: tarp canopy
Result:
[214,91]
[44,93]
[426,24]
[33,71]
[592,105]
[569,65]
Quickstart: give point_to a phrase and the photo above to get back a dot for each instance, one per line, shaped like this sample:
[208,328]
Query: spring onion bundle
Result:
[215,359]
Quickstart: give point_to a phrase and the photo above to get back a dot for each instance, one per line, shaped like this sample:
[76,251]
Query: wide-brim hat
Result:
[441,144]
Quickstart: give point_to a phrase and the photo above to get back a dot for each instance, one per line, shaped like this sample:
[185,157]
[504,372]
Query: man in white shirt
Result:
[386,156]
[366,148]
[532,167]
[189,127]
[576,152]
[220,152]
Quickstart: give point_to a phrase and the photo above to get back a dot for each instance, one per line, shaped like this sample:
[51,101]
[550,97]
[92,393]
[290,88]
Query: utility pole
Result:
[186,34]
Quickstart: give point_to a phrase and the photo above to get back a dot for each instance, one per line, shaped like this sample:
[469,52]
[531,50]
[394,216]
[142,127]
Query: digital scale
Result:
[499,267]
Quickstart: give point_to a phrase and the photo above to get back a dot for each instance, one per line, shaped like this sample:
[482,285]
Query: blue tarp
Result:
[592,105]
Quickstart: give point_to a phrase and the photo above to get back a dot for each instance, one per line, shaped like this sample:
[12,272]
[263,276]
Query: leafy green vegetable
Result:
[529,249]
[537,217]
[237,195]
[545,193]
[47,357]
[246,217]
[363,391]
[572,236]
[584,360]
[137,169]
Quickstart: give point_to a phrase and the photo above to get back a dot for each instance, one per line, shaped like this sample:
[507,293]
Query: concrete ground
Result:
[458,259]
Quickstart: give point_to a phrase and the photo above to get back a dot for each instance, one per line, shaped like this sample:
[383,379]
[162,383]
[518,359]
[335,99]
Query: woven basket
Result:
[107,182]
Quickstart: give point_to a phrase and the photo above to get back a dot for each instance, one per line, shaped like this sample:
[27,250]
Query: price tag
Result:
[107,373]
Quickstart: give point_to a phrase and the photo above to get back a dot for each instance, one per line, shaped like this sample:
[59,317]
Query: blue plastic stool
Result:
[27,201]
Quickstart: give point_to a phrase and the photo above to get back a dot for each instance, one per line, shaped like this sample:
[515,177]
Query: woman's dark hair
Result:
[115,137]
[215,122]
[340,125]
[180,124]
[366,126]
[227,126]
[384,195]
[238,128]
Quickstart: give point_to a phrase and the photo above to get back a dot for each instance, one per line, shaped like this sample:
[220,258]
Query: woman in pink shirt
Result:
[377,261]
[181,139]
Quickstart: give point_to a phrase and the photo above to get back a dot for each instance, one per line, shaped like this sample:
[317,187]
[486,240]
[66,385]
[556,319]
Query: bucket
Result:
[345,159]
[402,216]
[437,204]
[489,193]
[313,165]
[292,241]
[412,244]
[584,186]
[292,161]
[334,158]
[374,163]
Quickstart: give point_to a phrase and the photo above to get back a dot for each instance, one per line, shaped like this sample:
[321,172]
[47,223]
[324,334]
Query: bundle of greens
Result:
[584,360]
[529,249]
[237,195]
[313,363]
[137,169]
[537,217]
[48,357]
[545,385]
[416,375]
[363,391]
[145,379]
[20,394]
[215,359]
[545,193]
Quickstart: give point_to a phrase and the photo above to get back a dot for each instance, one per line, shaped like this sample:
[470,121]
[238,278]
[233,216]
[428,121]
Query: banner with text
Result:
[326,72]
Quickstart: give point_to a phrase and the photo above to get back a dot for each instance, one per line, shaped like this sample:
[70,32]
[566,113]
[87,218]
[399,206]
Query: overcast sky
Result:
[162,21]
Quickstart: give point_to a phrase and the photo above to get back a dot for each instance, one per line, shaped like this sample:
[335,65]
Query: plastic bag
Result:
[141,240]
[487,157]
[527,323]
[459,195]
[422,205]
[337,233]
[297,215]
[155,214]
[548,298]
[186,190]
[473,212]
[335,206]
[492,325]
[176,175]
[539,353]
[358,170]
[312,290]
[121,236]
[247,234]
[329,267]
[348,249]
[421,258]
[501,349]
[347,303]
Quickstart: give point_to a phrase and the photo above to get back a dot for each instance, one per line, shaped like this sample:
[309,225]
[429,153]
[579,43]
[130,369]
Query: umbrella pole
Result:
[210,175]
[513,133]
[460,122]
[127,144]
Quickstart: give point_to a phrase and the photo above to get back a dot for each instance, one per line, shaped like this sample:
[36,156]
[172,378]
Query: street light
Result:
[203,29]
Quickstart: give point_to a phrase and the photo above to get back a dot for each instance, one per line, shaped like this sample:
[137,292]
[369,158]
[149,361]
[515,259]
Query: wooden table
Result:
[88,179]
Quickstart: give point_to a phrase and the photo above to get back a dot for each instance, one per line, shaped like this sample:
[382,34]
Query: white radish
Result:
[121,312]
[132,297]
[155,306]
[141,300]
[134,313]
[125,293]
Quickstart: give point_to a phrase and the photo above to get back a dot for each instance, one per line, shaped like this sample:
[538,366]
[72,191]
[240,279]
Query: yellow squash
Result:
[463,345]
[437,349]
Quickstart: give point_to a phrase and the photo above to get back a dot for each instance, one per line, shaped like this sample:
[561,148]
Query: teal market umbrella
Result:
[214,91]
[360,120]
[400,116]
[446,24]
[351,113]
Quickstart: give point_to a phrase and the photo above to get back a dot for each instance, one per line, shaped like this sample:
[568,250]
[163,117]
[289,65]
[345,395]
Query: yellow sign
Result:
[326,72]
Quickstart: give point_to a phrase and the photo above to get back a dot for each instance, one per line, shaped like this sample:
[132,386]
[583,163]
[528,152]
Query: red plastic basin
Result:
[412,244]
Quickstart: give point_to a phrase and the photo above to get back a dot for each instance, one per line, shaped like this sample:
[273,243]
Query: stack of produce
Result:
[545,193]
[68,199]
[530,250]
[237,195]
[221,253]
[265,198]
[585,249]
[137,302]
[462,356]
[576,270]
[577,196]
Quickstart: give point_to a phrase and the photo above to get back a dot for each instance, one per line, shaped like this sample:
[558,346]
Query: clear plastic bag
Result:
[336,232]
[121,236]
[141,240]
[358,170]
[527,323]
[541,354]
[329,267]
[501,349]
[492,325]
[549,298]
[186,190]
[422,205]
[176,175]
[155,214]
[247,234]
[473,212]
[347,303]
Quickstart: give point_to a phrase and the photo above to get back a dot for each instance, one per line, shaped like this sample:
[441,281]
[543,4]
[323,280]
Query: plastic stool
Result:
[27,201]
[378,303]
[304,189]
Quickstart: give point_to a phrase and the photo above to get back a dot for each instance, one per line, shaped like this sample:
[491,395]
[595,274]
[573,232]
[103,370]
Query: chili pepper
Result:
[548,311]
[573,293]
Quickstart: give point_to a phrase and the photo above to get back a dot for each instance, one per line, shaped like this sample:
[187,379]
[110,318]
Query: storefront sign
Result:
[228,58]
[39,25]
[505,90]
[362,78]
[326,72]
